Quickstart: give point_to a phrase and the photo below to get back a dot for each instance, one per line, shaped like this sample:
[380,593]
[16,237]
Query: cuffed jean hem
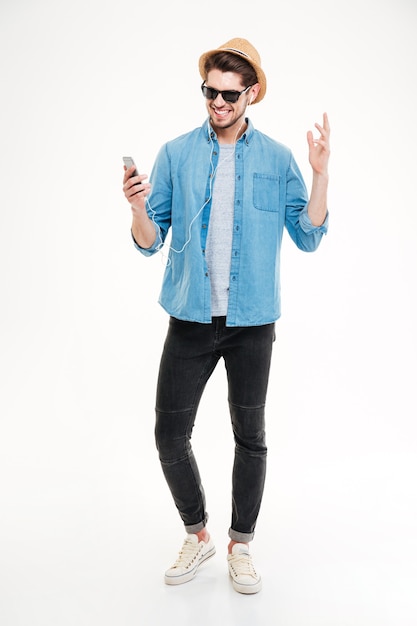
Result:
[240,537]
[195,528]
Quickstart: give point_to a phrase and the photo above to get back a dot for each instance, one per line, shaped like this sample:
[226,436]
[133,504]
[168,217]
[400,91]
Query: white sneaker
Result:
[193,553]
[244,577]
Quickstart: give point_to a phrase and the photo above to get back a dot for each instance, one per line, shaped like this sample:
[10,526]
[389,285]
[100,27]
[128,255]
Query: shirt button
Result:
[204,226]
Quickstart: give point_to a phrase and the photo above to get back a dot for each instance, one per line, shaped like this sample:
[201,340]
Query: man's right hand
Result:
[135,189]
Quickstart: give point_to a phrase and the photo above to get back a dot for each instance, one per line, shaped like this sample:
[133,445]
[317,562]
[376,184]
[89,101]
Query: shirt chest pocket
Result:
[266,192]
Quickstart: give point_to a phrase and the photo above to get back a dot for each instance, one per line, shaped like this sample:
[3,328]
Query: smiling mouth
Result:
[221,112]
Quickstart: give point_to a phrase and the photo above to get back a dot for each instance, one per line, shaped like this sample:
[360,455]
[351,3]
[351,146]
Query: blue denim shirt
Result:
[270,194]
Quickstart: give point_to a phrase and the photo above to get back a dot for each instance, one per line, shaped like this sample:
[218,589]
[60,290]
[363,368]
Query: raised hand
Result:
[319,149]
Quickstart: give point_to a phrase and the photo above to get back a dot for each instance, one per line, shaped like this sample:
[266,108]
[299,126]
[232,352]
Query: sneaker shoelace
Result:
[242,565]
[188,554]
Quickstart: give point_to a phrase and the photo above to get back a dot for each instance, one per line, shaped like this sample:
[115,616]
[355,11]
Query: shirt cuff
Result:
[308,227]
[145,251]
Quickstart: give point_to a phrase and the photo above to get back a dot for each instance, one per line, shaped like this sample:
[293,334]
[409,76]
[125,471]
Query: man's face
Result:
[226,115]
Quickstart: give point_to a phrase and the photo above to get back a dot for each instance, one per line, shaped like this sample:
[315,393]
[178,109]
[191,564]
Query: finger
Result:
[133,192]
[128,173]
[133,181]
[323,131]
[138,189]
[322,143]
[326,124]
[126,176]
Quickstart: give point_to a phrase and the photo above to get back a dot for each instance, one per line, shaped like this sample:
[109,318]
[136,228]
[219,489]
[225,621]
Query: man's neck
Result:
[231,135]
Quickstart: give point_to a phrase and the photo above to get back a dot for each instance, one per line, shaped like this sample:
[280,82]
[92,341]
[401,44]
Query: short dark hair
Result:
[228,62]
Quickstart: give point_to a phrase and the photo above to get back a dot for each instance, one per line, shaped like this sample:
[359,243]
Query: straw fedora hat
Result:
[242,48]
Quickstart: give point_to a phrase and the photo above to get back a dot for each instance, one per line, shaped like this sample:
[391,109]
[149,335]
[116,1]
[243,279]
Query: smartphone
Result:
[128,161]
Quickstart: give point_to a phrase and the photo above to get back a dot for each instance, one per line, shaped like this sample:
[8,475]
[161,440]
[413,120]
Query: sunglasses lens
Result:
[209,92]
[230,96]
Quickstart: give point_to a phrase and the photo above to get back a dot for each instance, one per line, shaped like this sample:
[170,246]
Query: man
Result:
[226,191]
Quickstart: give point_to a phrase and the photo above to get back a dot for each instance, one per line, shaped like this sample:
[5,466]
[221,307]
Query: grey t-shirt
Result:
[220,234]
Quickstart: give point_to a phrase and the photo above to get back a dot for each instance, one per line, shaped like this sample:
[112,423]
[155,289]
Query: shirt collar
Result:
[211,134]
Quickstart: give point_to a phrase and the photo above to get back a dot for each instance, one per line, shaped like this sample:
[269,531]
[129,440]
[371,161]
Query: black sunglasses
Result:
[228,96]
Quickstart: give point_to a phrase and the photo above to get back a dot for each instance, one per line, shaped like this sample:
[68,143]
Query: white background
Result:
[87,525]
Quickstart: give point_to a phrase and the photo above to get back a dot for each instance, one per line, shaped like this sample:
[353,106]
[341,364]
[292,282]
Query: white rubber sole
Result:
[187,576]
[246,589]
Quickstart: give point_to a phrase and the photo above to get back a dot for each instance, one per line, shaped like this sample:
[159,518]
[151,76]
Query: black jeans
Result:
[191,352]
